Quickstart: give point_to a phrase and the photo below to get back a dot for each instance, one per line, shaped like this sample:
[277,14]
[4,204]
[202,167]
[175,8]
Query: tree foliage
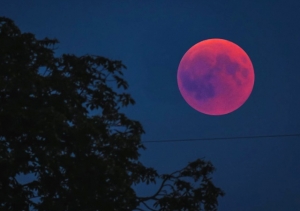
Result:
[78,161]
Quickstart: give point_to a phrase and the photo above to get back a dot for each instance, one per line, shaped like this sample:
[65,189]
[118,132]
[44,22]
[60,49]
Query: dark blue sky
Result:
[150,37]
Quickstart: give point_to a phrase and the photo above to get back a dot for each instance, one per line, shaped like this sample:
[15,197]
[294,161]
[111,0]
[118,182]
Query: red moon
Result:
[215,76]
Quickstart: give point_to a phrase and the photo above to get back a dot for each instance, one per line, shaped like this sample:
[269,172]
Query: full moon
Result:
[215,77]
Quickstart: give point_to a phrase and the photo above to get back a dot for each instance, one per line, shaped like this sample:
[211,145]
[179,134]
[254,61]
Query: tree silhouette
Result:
[79,161]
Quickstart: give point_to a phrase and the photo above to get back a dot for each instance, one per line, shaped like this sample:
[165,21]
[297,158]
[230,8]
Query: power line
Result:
[222,138]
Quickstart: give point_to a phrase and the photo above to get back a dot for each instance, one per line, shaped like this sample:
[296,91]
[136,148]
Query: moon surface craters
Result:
[200,87]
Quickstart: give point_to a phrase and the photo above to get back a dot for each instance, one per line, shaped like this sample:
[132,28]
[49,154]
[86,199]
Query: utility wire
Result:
[222,138]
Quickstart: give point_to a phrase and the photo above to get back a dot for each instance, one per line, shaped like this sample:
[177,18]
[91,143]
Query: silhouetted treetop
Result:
[61,123]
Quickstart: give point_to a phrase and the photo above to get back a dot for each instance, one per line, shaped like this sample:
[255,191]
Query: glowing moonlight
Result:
[215,77]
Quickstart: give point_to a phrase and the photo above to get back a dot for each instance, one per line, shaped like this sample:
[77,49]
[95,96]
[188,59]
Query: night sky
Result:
[150,37]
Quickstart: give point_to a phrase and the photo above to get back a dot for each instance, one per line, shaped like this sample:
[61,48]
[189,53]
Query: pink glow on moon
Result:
[215,77]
